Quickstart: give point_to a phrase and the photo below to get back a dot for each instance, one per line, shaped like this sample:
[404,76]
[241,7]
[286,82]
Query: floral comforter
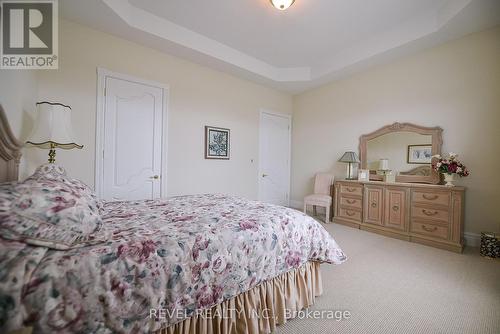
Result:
[185,253]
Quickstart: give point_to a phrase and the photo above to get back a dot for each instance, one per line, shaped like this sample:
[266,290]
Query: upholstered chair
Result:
[322,194]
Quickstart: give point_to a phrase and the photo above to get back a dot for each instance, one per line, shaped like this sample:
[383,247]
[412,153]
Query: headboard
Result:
[10,151]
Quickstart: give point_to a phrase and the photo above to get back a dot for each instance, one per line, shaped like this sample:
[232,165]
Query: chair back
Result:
[323,184]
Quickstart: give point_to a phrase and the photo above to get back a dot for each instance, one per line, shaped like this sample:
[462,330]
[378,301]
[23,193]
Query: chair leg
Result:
[305,208]
[314,211]
[327,217]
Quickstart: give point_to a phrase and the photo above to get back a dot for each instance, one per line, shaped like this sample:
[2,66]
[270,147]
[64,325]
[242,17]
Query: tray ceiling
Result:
[311,43]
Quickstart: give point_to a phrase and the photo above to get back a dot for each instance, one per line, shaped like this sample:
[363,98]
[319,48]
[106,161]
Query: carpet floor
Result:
[393,286]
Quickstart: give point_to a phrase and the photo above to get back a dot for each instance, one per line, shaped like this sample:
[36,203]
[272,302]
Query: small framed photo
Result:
[419,154]
[217,143]
[363,175]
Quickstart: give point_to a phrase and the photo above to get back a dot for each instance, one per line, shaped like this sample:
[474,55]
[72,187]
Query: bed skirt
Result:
[259,310]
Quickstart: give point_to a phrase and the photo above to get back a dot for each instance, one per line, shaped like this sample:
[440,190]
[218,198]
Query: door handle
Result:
[155,177]
[264,175]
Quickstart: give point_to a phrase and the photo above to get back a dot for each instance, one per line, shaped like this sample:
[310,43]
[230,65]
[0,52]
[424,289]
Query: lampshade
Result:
[350,157]
[384,164]
[53,127]
[282,4]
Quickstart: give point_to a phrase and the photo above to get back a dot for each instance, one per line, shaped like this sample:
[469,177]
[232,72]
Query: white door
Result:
[132,140]
[274,158]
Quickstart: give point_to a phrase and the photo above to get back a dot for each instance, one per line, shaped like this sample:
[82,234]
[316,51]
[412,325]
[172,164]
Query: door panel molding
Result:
[102,74]
[262,113]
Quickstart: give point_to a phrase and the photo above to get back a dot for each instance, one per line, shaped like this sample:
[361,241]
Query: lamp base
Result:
[52,155]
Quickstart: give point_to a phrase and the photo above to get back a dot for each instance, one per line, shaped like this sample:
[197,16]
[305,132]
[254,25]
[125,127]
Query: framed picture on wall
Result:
[217,143]
[419,154]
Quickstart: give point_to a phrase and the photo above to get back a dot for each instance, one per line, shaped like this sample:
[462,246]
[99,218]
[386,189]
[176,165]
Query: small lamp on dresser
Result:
[350,158]
[53,128]
[384,170]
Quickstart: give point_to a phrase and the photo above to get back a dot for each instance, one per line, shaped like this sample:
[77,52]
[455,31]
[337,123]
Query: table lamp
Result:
[53,128]
[385,171]
[350,158]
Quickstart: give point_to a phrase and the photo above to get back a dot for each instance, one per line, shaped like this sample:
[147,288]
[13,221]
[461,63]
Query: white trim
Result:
[289,117]
[472,239]
[102,74]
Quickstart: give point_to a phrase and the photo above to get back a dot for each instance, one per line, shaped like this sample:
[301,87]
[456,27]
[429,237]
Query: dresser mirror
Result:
[401,149]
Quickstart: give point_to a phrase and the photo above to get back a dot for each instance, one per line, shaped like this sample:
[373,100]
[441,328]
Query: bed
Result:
[189,264]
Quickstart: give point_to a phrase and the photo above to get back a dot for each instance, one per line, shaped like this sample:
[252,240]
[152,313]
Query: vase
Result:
[449,178]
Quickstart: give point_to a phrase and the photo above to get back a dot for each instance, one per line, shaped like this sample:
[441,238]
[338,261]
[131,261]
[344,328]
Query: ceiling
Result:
[311,43]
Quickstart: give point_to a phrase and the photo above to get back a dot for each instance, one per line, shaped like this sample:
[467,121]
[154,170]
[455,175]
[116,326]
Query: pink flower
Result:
[62,203]
[217,264]
[249,225]
[293,259]
[199,245]
[137,250]
[207,297]
[196,271]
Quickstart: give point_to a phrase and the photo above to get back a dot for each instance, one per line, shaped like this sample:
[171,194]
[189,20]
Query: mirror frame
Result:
[437,142]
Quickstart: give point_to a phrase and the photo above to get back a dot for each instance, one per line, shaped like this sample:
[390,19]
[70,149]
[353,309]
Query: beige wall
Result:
[18,95]
[455,86]
[199,96]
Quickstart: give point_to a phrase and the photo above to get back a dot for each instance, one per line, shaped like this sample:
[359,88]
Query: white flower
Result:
[436,156]
[438,164]
[459,170]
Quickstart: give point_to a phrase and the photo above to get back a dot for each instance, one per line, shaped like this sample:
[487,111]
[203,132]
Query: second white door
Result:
[274,157]
[132,140]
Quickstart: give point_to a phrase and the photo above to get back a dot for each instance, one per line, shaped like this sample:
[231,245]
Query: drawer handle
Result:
[395,208]
[429,213]
[430,197]
[350,213]
[350,201]
[350,189]
[374,205]
[429,229]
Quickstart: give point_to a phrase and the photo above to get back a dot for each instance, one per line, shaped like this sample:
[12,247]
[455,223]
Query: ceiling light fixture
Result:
[282,4]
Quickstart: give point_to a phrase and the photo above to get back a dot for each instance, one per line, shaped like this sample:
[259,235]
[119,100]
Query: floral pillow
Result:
[49,209]
[57,173]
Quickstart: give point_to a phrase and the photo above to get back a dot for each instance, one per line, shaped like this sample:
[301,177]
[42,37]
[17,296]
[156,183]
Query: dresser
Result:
[424,213]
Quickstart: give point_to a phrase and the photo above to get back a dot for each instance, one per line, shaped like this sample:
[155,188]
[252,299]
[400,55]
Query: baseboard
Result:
[299,205]
[472,239]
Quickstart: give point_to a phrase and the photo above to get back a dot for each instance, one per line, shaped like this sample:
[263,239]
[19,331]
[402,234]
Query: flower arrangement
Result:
[450,165]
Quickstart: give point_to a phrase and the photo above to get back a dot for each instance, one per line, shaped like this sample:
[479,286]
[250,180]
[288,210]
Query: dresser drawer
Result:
[351,202]
[431,213]
[427,229]
[350,214]
[351,189]
[437,198]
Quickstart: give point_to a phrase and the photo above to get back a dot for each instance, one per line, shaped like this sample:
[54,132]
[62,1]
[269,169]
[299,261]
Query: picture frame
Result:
[217,143]
[363,175]
[419,154]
